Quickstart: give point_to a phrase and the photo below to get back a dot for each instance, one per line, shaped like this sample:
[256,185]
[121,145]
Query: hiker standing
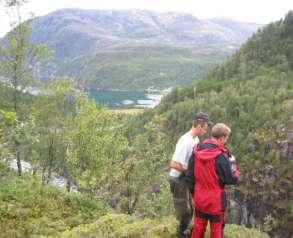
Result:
[181,195]
[211,170]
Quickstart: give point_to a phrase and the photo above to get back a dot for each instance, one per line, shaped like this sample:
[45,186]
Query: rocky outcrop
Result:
[252,212]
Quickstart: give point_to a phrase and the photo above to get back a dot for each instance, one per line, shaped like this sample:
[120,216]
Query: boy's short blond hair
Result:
[220,130]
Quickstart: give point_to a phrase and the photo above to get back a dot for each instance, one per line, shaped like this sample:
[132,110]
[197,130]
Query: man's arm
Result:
[180,153]
[176,165]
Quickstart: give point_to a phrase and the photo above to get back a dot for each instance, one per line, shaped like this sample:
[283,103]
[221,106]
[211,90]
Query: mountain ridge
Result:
[118,23]
[79,37]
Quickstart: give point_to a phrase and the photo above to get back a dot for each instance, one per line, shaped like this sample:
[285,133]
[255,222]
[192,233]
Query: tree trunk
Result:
[50,159]
[48,164]
[19,168]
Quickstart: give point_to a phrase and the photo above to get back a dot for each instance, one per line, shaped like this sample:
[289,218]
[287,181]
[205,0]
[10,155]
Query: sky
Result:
[256,11]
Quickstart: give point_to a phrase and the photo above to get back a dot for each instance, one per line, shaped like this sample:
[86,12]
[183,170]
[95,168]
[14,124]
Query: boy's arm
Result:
[189,174]
[226,176]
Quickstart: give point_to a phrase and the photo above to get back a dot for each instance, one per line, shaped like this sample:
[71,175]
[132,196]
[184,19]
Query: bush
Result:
[28,209]
[125,226]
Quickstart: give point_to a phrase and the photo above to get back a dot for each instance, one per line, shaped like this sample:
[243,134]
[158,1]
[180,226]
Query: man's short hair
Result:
[220,130]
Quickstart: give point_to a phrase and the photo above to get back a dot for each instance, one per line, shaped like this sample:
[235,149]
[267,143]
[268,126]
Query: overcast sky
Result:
[258,11]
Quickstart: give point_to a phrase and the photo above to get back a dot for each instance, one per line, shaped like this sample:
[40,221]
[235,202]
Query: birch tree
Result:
[18,58]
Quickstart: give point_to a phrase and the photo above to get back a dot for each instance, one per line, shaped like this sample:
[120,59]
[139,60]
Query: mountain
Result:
[102,28]
[137,48]
[252,93]
[243,30]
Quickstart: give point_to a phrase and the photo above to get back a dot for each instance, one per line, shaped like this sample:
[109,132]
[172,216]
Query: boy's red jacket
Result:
[210,196]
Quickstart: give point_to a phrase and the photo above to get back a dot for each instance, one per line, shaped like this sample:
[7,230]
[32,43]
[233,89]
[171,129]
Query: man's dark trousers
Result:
[183,205]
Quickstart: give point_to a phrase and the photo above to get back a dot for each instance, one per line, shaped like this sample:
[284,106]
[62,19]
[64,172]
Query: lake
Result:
[126,99]
[117,99]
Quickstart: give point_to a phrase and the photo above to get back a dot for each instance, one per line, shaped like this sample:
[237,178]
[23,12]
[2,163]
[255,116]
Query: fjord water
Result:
[125,99]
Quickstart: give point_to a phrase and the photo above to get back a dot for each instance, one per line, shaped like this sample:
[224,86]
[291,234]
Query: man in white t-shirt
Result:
[184,149]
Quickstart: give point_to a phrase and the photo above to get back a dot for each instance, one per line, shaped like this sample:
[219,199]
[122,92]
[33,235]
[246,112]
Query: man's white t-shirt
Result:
[183,151]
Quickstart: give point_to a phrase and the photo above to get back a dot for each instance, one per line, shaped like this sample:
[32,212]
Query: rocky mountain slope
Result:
[138,48]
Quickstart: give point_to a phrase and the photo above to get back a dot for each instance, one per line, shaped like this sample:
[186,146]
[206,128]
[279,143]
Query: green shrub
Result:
[28,209]
[125,226]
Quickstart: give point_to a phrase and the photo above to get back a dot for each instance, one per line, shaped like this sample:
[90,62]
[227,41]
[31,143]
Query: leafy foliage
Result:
[29,209]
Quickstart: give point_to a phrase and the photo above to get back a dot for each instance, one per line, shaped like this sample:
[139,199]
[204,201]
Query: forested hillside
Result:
[139,67]
[119,163]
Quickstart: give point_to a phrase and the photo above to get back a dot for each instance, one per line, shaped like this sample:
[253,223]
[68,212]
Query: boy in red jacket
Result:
[207,175]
